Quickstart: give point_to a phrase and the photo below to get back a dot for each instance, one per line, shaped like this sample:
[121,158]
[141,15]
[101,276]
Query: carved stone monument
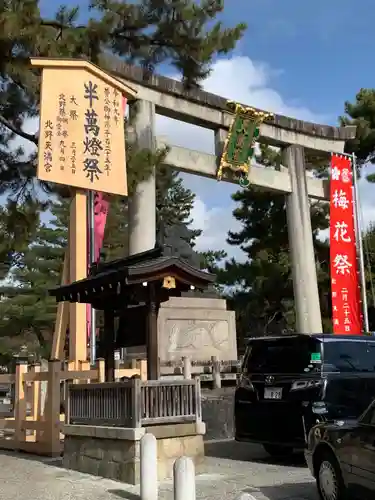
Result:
[198,328]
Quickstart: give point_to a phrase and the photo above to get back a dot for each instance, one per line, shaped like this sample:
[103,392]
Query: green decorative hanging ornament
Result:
[239,145]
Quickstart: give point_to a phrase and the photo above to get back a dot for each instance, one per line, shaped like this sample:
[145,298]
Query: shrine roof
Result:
[144,267]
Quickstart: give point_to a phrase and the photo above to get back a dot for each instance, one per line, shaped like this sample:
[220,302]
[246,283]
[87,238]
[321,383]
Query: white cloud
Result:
[210,221]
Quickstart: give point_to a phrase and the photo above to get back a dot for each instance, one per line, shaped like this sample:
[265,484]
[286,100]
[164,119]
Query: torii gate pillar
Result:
[142,203]
[306,293]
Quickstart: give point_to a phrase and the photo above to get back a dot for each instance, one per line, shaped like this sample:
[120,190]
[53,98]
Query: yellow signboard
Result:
[81,134]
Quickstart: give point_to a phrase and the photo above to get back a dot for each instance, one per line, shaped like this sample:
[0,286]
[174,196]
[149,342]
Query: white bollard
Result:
[149,468]
[184,479]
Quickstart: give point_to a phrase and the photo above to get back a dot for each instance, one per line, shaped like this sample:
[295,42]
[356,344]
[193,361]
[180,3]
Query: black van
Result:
[290,383]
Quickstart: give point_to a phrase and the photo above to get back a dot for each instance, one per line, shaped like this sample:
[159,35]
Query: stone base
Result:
[114,453]
[218,413]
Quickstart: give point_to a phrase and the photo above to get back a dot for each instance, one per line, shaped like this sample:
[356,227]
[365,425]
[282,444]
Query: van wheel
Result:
[276,450]
[329,478]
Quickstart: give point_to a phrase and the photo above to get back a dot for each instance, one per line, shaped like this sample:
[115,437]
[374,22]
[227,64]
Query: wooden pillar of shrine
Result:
[109,344]
[153,363]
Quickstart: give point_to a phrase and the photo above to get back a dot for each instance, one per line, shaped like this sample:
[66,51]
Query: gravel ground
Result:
[230,469]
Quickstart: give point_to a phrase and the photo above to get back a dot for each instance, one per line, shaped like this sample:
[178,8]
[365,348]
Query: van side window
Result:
[371,351]
[349,356]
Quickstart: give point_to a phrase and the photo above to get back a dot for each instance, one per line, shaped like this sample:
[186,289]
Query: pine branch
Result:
[29,137]
[118,33]
[50,23]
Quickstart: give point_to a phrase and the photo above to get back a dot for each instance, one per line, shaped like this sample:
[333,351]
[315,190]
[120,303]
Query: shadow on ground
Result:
[53,461]
[124,494]
[248,452]
[290,491]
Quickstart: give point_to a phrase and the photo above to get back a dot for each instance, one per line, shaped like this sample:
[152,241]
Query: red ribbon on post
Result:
[345,288]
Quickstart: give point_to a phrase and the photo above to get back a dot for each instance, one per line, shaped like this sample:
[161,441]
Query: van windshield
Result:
[294,354]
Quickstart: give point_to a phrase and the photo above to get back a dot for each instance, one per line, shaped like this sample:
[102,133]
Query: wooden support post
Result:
[62,317]
[20,401]
[109,345]
[198,399]
[100,363]
[117,369]
[187,367]
[77,271]
[143,369]
[153,362]
[52,411]
[216,375]
[35,403]
[84,366]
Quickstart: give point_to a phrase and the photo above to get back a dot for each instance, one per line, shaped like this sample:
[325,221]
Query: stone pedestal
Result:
[114,452]
[198,328]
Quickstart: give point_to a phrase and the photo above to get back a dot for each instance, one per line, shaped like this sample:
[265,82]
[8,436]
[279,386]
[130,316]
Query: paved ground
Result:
[230,469]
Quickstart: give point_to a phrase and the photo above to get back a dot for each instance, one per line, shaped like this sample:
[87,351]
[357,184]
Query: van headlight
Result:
[245,383]
[319,408]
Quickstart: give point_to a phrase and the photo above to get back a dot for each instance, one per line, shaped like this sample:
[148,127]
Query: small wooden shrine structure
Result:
[132,290]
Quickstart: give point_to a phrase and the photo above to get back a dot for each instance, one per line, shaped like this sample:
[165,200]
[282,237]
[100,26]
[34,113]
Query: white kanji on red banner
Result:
[344,294]
[341,232]
[335,174]
[341,264]
[340,199]
[346,175]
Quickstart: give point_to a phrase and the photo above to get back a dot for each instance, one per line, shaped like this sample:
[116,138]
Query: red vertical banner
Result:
[101,206]
[345,288]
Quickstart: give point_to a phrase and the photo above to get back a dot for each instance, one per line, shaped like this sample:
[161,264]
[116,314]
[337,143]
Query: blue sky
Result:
[299,58]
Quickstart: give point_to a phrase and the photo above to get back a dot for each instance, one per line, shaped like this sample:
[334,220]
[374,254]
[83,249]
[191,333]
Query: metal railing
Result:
[134,403]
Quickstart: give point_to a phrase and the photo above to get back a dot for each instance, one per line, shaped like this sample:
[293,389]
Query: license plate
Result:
[273,393]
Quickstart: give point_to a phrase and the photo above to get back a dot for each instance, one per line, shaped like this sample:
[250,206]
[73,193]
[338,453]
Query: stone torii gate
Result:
[299,141]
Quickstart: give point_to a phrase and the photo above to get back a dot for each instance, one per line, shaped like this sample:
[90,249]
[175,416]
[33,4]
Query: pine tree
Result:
[369,257]
[17,228]
[174,203]
[361,113]
[27,312]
